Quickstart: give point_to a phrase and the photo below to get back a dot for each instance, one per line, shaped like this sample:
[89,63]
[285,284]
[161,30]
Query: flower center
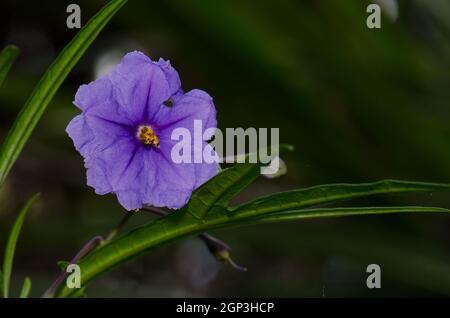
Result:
[147,136]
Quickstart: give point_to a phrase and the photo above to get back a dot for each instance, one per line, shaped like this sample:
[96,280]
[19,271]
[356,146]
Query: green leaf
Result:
[228,183]
[339,212]
[11,245]
[80,293]
[208,210]
[49,84]
[330,193]
[219,190]
[7,57]
[25,288]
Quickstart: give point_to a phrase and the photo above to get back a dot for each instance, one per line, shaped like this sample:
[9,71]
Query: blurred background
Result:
[359,105]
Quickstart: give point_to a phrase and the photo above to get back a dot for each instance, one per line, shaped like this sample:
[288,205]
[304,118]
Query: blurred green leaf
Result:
[49,84]
[11,245]
[368,87]
[80,293]
[208,210]
[26,288]
[7,57]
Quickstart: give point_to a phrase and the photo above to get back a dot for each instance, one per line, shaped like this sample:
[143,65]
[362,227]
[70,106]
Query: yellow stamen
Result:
[147,136]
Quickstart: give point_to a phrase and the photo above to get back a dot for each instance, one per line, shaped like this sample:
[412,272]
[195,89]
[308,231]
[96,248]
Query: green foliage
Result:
[330,193]
[337,212]
[48,86]
[7,57]
[371,99]
[80,293]
[209,209]
[11,247]
[26,288]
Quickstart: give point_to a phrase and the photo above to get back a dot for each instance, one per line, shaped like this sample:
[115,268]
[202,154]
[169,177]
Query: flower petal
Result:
[194,105]
[140,86]
[205,171]
[171,75]
[96,175]
[174,183]
[121,168]
[98,99]
[114,106]
[81,134]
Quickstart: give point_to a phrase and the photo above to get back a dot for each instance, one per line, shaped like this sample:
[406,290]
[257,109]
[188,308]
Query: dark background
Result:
[359,105]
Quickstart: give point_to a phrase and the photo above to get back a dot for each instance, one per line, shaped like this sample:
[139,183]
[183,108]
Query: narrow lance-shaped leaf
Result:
[178,225]
[11,245]
[338,212]
[330,193]
[26,288]
[49,84]
[7,57]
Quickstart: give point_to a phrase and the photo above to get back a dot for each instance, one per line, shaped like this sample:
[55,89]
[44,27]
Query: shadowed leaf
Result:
[26,288]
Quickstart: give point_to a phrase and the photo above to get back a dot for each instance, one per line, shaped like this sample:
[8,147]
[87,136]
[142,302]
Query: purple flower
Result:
[124,133]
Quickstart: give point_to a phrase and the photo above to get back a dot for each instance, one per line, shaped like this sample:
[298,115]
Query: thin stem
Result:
[118,228]
[219,249]
[88,247]
[156,211]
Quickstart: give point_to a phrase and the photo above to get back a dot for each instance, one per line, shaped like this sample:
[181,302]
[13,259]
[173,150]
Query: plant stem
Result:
[93,242]
[88,247]
[118,228]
